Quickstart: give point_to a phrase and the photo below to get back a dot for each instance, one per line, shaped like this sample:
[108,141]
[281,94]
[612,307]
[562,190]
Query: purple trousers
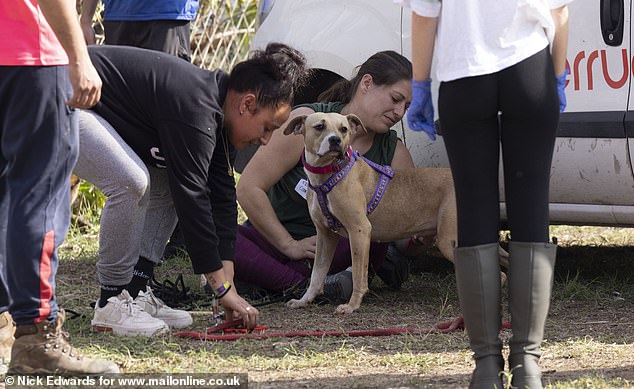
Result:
[258,262]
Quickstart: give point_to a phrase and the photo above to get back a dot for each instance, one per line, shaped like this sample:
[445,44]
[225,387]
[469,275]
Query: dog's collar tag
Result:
[302,187]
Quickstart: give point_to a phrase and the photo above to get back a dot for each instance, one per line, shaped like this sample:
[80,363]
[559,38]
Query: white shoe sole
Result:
[126,331]
[178,323]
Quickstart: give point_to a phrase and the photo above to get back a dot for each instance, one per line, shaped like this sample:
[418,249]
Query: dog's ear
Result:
[296,126]
[355,123]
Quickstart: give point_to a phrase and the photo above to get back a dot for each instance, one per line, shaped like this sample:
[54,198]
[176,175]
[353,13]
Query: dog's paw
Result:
[296,304]
[344,309]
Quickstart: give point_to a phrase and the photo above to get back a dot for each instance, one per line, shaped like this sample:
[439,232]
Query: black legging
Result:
[526,96]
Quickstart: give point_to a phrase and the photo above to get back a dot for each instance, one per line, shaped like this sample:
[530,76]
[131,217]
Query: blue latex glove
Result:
[561,84]
[420,115]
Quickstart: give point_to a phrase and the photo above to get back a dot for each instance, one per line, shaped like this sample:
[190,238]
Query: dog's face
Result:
[325,134]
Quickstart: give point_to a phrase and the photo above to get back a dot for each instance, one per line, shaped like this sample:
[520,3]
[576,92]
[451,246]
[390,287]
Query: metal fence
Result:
[220,34]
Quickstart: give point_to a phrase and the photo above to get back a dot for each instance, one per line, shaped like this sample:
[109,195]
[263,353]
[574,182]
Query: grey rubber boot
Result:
[478,278]
[530,280]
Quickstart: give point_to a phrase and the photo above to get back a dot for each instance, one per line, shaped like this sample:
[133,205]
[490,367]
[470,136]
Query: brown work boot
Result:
[43,348]
[7,328]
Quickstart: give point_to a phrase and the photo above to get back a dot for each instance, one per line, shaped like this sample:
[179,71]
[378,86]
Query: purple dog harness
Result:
[340,170]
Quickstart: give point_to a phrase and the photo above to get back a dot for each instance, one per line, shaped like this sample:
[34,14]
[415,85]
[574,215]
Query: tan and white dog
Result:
[417,201]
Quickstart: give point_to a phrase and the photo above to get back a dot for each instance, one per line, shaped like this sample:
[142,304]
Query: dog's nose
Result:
[334,141]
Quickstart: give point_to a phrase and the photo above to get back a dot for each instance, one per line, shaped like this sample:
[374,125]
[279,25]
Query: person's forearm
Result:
[560,43]
[216,279]
[88,8]
[257,206]
[62,18]
[423,37]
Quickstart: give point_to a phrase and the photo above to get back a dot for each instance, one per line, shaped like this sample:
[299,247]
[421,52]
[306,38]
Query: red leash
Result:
[226,331]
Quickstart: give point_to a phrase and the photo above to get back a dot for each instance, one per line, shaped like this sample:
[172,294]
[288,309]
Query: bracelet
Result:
[222,289]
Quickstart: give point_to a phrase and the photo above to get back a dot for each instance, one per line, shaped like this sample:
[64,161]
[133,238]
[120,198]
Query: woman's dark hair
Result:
[385,67]
[273,74]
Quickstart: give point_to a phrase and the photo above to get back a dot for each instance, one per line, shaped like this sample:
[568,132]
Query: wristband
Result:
[222,289]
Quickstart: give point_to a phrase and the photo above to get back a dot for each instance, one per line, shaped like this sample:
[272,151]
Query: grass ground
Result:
[589,336]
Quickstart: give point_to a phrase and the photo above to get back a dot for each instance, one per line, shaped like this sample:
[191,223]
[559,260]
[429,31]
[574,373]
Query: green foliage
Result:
[89,203]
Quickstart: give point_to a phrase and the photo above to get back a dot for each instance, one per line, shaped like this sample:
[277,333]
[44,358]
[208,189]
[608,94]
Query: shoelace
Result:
[132,307]
[155,301]
[61,339]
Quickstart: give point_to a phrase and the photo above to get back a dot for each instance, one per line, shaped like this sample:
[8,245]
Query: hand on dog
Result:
[236,307]
[301,249]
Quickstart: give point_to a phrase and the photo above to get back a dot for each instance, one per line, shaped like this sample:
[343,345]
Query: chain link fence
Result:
[220,34]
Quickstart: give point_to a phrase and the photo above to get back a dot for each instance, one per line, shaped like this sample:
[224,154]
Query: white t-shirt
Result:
[477,37]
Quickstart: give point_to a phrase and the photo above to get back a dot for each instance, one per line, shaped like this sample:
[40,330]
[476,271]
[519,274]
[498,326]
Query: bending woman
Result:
[160,144]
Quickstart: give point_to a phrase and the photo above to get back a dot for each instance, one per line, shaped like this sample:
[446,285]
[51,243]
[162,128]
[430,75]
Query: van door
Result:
[591,177]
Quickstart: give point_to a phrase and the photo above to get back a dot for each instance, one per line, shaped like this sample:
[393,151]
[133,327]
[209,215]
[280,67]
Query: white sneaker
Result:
[124,317]
[175,318]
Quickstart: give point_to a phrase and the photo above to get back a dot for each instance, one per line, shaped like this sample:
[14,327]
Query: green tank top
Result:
[290,207]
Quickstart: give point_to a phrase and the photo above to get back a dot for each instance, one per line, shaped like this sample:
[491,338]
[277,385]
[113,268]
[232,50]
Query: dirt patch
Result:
[589,335]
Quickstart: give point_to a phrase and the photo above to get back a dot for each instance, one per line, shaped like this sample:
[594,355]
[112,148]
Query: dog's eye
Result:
[319,126]
[344,130]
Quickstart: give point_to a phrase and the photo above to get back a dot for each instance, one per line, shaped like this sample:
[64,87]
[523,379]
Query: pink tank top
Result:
[26,38]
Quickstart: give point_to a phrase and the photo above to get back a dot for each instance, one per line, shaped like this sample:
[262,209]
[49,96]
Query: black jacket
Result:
[170,113]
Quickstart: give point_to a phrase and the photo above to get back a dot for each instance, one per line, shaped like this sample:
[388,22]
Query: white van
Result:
[592,181]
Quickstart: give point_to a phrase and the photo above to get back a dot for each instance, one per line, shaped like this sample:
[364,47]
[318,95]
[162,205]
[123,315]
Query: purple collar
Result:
[322,190]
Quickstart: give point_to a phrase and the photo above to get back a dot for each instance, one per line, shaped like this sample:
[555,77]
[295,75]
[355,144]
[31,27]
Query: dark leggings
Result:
[258,262]
[526,96]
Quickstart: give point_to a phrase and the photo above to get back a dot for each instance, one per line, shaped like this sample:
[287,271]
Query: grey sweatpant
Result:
[139,215]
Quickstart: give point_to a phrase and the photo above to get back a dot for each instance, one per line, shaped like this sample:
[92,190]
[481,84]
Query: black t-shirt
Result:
[170,113]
